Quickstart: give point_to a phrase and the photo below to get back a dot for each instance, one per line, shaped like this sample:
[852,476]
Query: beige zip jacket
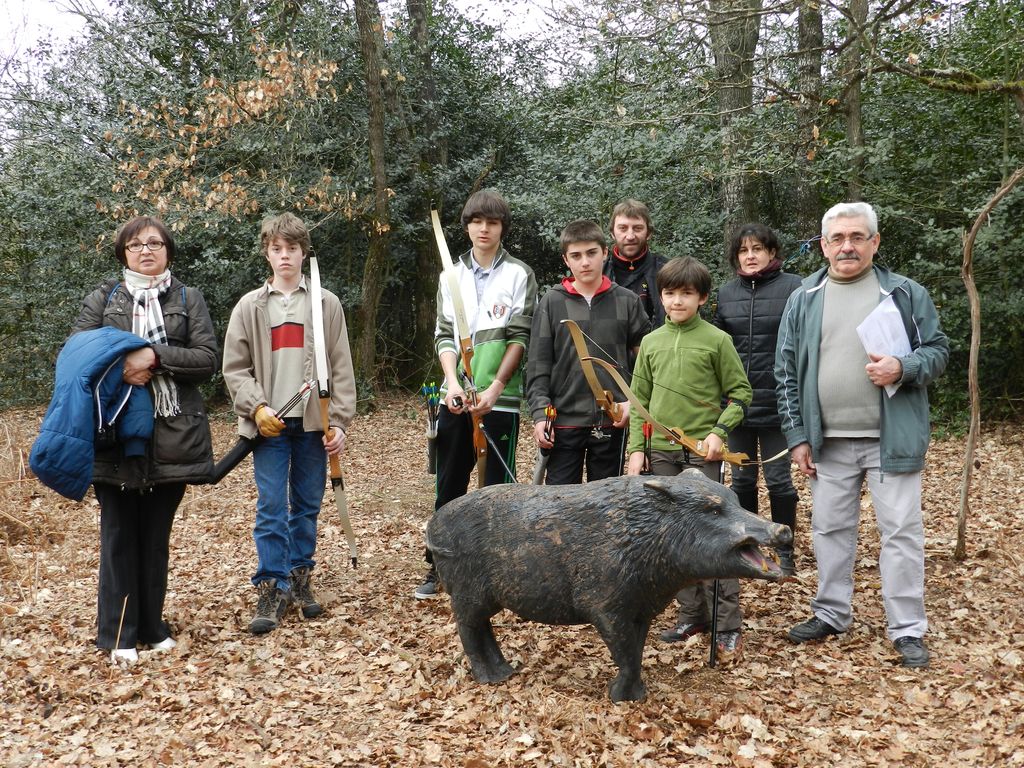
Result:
[247,362]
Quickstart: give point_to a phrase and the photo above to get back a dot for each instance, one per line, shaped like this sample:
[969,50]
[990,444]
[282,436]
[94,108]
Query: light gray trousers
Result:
[843,464]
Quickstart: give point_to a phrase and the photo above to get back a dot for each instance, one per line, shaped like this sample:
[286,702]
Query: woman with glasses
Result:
[139,490]
[750,309]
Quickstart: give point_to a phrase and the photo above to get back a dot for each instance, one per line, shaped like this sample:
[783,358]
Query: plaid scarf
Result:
[148,323]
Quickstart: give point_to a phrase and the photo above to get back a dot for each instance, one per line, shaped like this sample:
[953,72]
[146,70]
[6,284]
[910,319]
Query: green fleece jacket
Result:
[682,374]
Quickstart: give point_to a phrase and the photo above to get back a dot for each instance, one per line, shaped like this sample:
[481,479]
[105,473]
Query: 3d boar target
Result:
[611,553]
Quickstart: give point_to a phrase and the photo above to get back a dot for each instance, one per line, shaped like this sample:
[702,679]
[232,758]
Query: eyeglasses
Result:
[856,240]
[153,245]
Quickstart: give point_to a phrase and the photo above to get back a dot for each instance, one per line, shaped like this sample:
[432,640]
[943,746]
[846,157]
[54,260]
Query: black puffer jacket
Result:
[181,449]
[750,312]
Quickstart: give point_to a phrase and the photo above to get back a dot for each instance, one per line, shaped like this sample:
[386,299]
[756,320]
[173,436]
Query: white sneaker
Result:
[124,657]
[164,645]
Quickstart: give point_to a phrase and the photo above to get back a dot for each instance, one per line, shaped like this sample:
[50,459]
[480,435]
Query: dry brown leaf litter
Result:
[379,680]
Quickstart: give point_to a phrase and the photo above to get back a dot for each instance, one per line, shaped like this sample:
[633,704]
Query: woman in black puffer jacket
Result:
[749,309]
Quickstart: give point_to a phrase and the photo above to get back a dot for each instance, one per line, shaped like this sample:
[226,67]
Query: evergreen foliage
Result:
[213,113]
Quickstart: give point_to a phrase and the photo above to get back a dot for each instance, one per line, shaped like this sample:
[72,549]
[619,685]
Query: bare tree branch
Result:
[967,273]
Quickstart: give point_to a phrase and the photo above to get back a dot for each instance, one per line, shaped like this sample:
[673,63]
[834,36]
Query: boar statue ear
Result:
[658,484]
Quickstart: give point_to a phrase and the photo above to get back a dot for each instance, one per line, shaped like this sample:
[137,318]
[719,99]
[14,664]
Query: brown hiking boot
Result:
[270,607]
[302,593]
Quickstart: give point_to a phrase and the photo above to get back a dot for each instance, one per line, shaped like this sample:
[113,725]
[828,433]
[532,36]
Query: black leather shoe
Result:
[428,588]
[812,629]
[913,651]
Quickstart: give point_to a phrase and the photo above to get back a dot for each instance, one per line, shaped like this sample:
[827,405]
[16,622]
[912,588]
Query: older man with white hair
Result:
[842,425]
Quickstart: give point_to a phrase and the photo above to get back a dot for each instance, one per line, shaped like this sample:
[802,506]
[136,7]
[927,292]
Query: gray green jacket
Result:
[248,362]
[905,429]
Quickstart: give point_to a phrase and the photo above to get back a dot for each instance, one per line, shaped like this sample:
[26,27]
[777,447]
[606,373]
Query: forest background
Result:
[359,115]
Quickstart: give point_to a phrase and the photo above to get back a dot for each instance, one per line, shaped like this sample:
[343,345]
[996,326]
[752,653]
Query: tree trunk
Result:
[809,46]
[734,27]
[375,270]
[854,123]
[967,273]
[434,155]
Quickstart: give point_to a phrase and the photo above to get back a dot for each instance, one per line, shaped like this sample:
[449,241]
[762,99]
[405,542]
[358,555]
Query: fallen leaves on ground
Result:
[380,678]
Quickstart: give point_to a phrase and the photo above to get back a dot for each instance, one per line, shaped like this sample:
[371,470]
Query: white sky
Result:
[24,22]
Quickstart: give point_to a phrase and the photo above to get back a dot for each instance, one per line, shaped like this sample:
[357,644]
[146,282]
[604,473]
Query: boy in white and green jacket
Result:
[499,294]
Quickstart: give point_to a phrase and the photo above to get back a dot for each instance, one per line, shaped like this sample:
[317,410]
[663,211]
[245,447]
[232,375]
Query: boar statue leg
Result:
[486,661]
[625,640]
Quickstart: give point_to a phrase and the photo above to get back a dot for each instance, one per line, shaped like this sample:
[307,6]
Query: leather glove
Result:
[267,422]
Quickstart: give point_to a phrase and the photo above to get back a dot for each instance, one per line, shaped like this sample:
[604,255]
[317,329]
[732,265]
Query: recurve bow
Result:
[605,398]
[465,344]
[674,434]
[323,378]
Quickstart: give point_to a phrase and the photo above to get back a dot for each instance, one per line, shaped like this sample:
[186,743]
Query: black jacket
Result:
[750,311]
[180,449]
[614,320]
[642,281]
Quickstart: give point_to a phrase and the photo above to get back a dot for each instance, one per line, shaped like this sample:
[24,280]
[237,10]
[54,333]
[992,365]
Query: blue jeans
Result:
[291,474]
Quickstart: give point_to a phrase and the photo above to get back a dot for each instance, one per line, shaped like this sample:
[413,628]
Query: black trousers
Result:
[135,535]
[456,456]
[576,447]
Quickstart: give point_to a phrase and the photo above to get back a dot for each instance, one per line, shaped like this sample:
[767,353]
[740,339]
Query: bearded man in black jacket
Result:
[632,264]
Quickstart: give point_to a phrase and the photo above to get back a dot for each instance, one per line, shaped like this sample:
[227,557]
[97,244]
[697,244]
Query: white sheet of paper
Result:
[882,333]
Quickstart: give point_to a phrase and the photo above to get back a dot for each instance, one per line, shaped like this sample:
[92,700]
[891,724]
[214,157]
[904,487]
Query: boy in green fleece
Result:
[684,371]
